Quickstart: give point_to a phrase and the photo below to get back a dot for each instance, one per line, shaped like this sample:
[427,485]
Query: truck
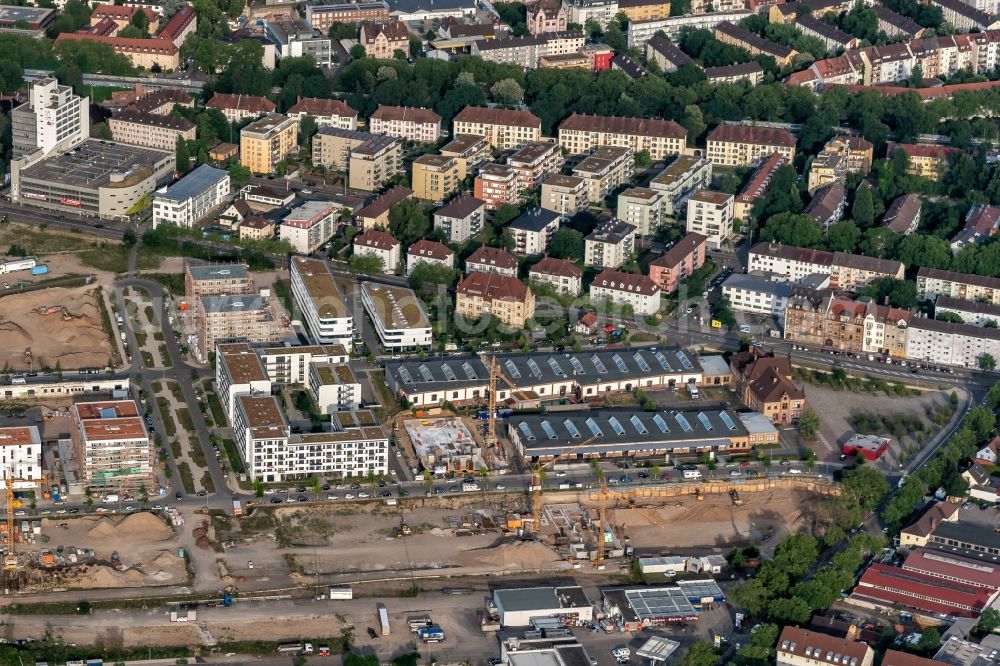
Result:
[469,487]
[341,593]
[237,508]
[383,619]
[431,634]
[418,622]
[692,390]
[295,648]
[692,474]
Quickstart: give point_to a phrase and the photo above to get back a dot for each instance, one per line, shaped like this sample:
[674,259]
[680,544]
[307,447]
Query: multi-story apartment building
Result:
[215,280]
[53,116]
[756,188]
[679,261]
[534,162]
[604,170]
[469,149]
[491,260]
[326,112]
[946,343]
[970,312]
[710,214]
[161,101]
[382,40]
[234,318]
[566,195]
[730,33]
[112,447]
[834,38]
[934,282]
[122,16]
[926,160]
[847,271]
[903,215]
[564,275]
[376,214]
[398,314]
[764,384]
[580,134]
[504,297]
[429,252]
[826,320]
[533,230]
[744,71]
[154,131]
[504,129]
[609,245]
[966,17]
[745,145]
[193,198]
[290,365]
[801,647]
[496,185]
[21,456]
[461,218]
[374,161]
[827,168]
[334,388]
[374,243]
[642,208]
[266,142]
[626,289]
[296,38]
[406,122]
[895,25]
[308,226]
[239,371]
[640,32]
[827,204]
[183,23]
[645,10]
[436,177]
[757,295]
[146,53]
[237,108]
[666,54]
[317,297]
[601,11]
[682,178]
[528,50]
[321,16]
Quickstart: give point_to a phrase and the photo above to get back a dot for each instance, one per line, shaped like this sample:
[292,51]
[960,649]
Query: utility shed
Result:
[518,606]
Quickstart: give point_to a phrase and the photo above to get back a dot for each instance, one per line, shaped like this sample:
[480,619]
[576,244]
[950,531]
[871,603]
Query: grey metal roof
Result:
[411,6]
[588,368]
[535,220]
[758,283]
[195,183]
[659,603]
[611,430]
[218,272]
[437,374]
[527,598]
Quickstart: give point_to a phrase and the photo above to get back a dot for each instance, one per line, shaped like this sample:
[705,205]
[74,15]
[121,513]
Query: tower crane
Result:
[491,421]
[10,561]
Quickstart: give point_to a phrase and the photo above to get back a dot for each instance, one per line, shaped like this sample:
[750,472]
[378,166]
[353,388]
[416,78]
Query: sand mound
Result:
[520,554]
[166,559]
[103,529]
[145,526]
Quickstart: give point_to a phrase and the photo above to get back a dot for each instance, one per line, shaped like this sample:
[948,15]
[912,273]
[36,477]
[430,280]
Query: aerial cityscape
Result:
[461,332]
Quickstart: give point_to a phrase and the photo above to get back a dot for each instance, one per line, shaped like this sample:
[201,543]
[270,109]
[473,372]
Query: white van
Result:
[692,474]
[469,487]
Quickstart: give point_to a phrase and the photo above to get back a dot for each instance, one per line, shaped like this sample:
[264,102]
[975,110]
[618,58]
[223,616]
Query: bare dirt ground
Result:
[144,543]
[67,330]
[679,525]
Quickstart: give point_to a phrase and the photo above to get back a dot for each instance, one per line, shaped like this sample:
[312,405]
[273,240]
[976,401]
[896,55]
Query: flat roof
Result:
[109,429]
[659,603]
[244,366]
[218,271]
[13,14]
[714,365]
[105,409]
[261,411]
[334,374]
[965,532]
[657,648]
[91,163]
[396,307]
[613,430]
[20,436]
[233,303]
[541,598]
[320,286]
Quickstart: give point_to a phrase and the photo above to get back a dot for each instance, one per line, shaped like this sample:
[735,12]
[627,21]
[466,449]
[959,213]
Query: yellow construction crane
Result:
[10,561]
[491,419]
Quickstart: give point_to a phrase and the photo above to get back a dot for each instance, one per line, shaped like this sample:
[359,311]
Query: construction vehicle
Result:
[403,530]
[734,495]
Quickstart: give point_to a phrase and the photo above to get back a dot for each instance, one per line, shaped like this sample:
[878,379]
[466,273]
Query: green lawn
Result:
[186,478]
[168,420]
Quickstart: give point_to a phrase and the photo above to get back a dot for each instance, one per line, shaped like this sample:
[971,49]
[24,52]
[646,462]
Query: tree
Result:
[863,209]
[426,273]
[793,229]
[357,52]
[796,553]
[507,91]
[987,362]
[129,238]
[140,21]
[239,175]
[930,640]
[791,610]
[843,236]
[989,621]
[699,654]
[307,128]
[409,221]
[366,263]
[809,424]
[183,156]
[643,160]
[567,244]
[900,293]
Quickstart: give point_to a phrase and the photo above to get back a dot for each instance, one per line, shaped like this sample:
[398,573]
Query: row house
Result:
[794,264]
[580,133]
[757,186]
[861,327]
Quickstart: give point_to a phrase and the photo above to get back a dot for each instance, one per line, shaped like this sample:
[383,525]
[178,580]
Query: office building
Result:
[191,199]
[53,116]
[297,39]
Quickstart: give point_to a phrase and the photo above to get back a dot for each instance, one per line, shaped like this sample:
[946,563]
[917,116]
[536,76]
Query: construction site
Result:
[49,328]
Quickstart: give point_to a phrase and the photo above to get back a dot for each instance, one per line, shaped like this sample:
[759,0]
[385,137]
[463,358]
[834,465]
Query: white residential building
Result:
[461,218]
[238,371]
[710,214]
[320,303]
[682,178]
[533,230]
[310,225]
[609,245]
[429,252]
[191,199]
[945,343]
[21,453]
[334,387]
[112,445]
[564,275]
[757,295]
[398,315]
[637,291]
[290,365]
[52,116]
[375,243]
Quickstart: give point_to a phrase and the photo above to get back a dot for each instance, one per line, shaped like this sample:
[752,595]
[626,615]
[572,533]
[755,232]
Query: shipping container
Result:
[383,619]
[341,593]
[41,269]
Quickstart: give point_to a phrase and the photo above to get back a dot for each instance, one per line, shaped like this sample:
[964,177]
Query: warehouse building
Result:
[542,376]
[611,433]
[518,607]
[95,178]
[644,607]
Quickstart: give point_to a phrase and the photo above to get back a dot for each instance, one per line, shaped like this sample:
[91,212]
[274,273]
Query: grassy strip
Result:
[186,478]
[218,413]
[165,357]
[184,418]
[377,380]
[109,330]
[235,461]
[168,420]
[207,483]
[110,258]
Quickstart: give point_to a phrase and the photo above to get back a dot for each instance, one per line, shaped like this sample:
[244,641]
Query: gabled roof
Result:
[374,238]
[754,134]
[404,114]
[251,103]
[430,249]
[490,286]
[680,250]
[460,207]
[559,267]
[492,256]
[315,106]
[511,117]
[623,125]
[384,202]
[394,31]
[627,282]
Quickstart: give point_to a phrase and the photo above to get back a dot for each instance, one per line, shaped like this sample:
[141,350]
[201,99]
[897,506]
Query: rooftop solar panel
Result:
[662,360]
[728,420]
[661,424]
[577,366]
[685,361]
[404,374]
[556,368]
[425,372]
[469,372]
[533,367]
[526,430]
[704,421]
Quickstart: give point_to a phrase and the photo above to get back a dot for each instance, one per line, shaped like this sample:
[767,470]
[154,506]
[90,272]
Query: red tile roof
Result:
[618,281]
[821,647]
[430,249]
[490,286]
[623,125]
[394,31]
[315,106]
[897,658]
[680,250]
[511,117]
[765,136]
[954,567]
[560,267]
[251,103]
[925,150]
[492,256]
[376,239]
[406,114]
[125,44]
[177,23]
[890,585]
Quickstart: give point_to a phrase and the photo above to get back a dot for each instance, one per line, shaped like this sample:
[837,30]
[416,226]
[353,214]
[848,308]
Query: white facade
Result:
[640,32]
[318,299]
[711,215]
[609,245]
[601,11]
[460,220]
[21,452]
[399,317]
[334,388]
[389,253]
[944,343]
[626,289]
[188,201]
[757,295]
[53,115]
[309,226]
[238,371]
